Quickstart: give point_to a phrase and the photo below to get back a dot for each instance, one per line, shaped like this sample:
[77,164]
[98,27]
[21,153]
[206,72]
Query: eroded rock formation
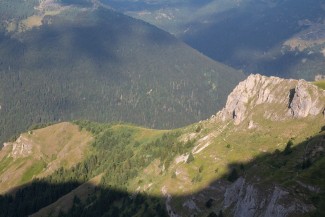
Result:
[281,99]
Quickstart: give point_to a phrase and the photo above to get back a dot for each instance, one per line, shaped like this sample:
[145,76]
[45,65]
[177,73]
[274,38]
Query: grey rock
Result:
[305,100]
[249,200]
[281,98]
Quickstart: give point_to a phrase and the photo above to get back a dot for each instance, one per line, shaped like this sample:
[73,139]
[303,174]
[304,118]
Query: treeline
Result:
[118,158]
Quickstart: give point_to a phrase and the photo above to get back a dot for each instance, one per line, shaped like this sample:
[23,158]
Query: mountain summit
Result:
[277,99]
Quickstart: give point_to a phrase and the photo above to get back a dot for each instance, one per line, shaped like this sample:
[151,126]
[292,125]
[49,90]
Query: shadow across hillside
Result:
[287,169]
[110,202]
[101,65]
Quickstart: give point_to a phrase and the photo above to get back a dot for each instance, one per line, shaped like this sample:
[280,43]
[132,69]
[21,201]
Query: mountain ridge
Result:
[274,165]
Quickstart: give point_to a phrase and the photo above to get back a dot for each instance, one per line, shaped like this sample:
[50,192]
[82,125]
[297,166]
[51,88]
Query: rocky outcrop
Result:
[281,98]
[22,147]
[245,199]
[305,100]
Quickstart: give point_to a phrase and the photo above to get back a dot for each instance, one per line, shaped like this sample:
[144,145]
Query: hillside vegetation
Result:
[44,151]
[320,84]
[135,165]
[92,63]
[269,158]
[117,154]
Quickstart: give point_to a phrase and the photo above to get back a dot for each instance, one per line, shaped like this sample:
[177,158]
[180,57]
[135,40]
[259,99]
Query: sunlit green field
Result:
[320,84]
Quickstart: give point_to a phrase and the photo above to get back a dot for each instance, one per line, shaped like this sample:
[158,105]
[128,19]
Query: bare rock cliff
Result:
[279,99]
[306,100]
[249,200]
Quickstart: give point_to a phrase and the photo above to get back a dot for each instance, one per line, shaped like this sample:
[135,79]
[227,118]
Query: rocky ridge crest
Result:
[281,99]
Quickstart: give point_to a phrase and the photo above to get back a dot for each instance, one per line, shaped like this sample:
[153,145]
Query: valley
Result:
[274,38]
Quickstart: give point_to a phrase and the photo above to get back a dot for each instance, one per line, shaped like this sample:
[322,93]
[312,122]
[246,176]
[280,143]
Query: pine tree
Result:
[190,158]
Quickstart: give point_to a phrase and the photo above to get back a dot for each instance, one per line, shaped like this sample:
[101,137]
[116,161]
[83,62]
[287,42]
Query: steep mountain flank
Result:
[263,134]
[279,38]
[272,37]
[84,61]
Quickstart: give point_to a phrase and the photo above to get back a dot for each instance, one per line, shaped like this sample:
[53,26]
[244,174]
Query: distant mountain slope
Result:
[261,155]
[65,61]
[273,37]
[281,38]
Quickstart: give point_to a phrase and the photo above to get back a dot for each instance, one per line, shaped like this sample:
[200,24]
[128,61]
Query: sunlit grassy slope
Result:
[136,160]
[232,145]
[60,145]
[320,84]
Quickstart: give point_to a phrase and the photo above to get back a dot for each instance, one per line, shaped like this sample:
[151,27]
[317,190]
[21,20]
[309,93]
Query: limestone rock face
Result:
[305,100]
[281,98]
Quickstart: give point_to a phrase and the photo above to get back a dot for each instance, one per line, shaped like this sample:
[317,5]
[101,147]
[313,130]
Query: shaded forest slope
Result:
[97,64]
